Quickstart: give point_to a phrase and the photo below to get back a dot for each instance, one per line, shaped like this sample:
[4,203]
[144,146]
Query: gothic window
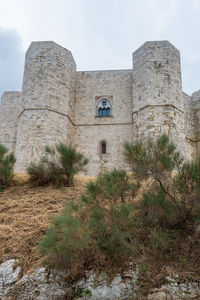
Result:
[104,108]
[103,147]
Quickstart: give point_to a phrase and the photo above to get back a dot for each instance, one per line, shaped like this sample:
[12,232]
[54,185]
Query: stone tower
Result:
[47,101]
[157,92]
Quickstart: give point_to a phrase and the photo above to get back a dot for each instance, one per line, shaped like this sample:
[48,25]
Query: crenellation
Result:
[88,108]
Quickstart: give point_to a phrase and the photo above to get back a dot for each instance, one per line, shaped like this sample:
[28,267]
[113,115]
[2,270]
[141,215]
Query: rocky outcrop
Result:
[44,285]
[176,291]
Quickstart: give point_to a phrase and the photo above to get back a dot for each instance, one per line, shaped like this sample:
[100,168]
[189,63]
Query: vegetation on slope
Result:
[25,214]
[107,228]
[7,161]
[148,218]
[58,166]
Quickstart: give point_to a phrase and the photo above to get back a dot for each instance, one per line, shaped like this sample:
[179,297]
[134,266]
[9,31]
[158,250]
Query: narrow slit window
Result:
[103,147]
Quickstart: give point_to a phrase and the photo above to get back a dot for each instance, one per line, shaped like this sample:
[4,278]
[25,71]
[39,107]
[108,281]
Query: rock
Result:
[176,291]
[46,284]
[8,274]
[98,287]
[157,296]
[198,230]
[41,286]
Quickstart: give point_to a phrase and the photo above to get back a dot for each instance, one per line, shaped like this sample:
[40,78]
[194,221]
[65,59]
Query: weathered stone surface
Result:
[44,285]
[8,275]
[117,289]
[48,284]
[10,108]
[175,290]
[57,103]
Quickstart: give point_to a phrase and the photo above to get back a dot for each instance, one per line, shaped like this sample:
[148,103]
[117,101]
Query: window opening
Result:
[104,108]
[103,147]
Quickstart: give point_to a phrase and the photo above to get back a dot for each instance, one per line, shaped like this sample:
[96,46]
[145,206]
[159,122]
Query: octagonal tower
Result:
[47,100]
[157,92]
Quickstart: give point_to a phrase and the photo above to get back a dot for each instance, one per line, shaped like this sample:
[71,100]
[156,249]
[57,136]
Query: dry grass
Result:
[25,213]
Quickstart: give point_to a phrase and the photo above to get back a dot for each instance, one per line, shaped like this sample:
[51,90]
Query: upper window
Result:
[104,108]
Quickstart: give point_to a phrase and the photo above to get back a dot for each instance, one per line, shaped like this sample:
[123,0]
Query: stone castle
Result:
[97,111]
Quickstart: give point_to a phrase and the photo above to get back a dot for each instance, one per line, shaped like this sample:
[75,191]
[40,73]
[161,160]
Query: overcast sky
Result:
[102,34]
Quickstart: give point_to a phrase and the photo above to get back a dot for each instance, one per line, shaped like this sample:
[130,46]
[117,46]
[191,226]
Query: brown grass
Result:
[25,213]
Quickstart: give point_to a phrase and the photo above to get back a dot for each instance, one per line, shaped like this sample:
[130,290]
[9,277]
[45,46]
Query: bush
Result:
[110,214]
[154,158]
[113,186]
[187,185]
[39,173]
[65,241]
[7,161]
[156,210]
[173,200]
[100,225]
[112,231]
[58,166]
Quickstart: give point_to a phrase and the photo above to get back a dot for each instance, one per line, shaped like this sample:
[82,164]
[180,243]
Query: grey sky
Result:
[102,34]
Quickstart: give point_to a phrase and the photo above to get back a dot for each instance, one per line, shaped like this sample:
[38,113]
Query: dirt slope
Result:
[25,213]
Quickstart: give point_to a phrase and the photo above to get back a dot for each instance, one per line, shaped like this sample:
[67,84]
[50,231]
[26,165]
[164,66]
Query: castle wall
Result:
[90,130]
[58,104]
[190,137]
[157,92]
[10,108]
[196,106]
[47,96]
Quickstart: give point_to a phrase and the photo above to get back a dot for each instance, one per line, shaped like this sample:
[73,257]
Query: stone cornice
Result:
[158,105]
[65,115]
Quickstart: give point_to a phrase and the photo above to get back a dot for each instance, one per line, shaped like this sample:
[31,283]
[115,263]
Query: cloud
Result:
[101,34]
[11,60]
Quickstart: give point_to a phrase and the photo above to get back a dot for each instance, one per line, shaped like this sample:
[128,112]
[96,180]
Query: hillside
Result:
[25,213]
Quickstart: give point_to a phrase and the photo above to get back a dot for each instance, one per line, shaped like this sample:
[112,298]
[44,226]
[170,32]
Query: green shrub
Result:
[110,214]
[99,222]
[65,241]
[58,166]
[113,186]
[7,161]
[39,173]
[156,210]
[187,184]
[173,199]
[154,158]
[112,231]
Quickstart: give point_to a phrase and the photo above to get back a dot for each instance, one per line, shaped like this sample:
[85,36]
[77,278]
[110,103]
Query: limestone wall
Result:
[190,138]
[90,130]
[10,108]
[196,105]
[47,96]
[59,104]
[157,92]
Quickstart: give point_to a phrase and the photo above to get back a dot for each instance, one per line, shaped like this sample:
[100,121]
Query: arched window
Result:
[104,108]
[103,147]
